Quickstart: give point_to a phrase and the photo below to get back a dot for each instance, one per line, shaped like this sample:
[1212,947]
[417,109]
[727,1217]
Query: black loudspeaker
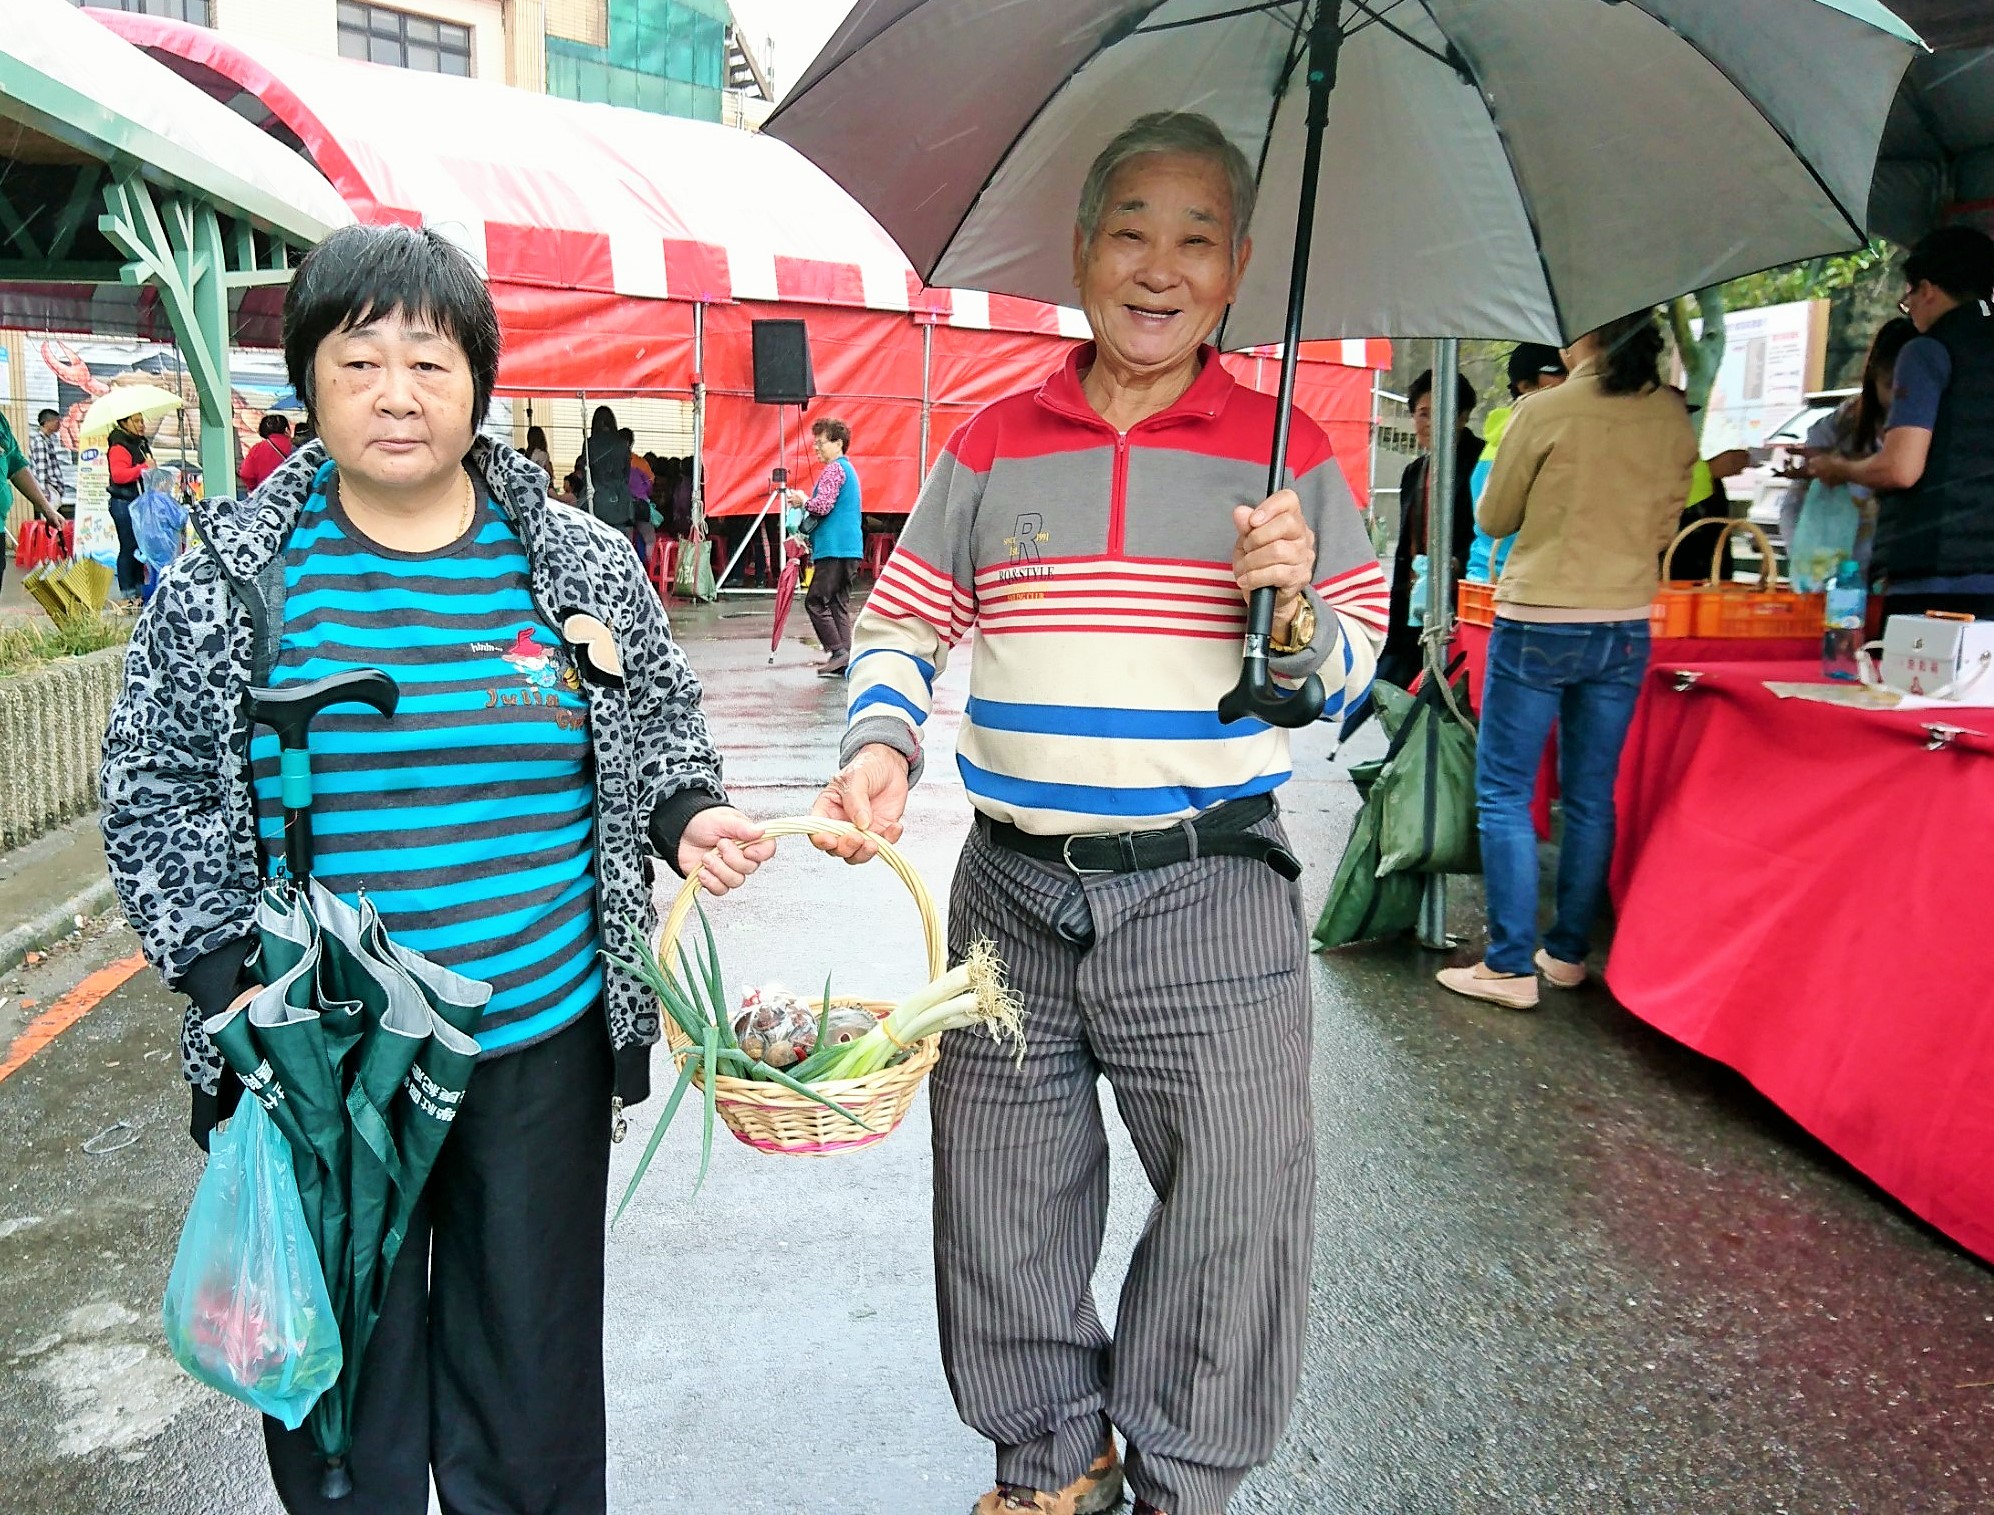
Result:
[782,364]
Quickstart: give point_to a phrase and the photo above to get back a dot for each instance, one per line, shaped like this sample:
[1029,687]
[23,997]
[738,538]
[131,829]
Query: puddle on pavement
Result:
[111,1389]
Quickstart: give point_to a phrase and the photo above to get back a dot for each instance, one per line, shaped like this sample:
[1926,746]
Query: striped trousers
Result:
[1193,999]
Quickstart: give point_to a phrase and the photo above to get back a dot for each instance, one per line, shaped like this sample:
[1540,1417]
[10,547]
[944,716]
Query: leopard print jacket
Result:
[178,813]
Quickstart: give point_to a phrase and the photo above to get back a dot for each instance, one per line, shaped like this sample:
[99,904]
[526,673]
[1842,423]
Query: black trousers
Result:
[487,1362]
[830,605]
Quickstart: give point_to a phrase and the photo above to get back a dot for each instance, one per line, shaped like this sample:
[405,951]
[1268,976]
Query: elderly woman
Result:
[548,732]
[1100,533]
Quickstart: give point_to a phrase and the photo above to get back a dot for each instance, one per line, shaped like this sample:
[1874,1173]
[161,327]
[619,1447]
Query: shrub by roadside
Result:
[29,646]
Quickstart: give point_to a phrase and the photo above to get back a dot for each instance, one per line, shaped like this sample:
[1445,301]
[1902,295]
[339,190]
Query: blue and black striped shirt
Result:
[468,817]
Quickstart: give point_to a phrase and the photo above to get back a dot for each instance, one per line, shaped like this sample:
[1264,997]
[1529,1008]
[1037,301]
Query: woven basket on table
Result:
[771,1118]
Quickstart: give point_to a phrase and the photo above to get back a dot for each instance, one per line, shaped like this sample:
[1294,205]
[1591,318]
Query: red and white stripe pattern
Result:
[911,590]
[1148,597]
[1362,595]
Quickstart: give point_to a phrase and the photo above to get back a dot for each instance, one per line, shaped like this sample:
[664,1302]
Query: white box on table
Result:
[1940,657]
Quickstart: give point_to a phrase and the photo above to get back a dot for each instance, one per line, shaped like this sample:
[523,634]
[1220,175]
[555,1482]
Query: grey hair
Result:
[1171,131]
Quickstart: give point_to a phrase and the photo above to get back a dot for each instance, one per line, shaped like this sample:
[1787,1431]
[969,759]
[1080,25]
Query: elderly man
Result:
[1099,533]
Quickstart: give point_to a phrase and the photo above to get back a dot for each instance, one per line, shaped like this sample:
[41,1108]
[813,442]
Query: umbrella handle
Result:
[1256,694]
[289,712]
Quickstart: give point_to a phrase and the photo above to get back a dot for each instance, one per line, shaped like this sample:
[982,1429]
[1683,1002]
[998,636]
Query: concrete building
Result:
[676,57]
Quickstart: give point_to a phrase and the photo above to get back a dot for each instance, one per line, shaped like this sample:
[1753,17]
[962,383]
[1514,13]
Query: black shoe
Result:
[835,669]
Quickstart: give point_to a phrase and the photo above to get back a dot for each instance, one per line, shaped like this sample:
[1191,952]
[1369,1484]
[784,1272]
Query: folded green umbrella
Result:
[360,1049]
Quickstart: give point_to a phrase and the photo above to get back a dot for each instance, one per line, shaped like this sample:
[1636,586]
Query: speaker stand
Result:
[779,488]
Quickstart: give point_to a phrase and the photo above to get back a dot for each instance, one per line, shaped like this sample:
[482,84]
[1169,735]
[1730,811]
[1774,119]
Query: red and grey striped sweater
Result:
[1095,568]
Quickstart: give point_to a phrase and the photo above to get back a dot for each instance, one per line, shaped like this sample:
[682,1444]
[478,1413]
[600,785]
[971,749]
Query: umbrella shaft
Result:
[1325,42]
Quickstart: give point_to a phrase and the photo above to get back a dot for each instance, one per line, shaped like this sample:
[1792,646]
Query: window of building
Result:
[380,35]
[199,12]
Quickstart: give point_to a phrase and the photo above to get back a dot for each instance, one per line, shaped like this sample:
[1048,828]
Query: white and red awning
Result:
[565,195]
[603,230]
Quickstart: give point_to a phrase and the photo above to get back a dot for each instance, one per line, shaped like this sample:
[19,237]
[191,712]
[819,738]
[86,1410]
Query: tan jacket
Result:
[1592,484]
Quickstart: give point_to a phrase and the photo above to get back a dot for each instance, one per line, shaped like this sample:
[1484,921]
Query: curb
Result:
[51,926]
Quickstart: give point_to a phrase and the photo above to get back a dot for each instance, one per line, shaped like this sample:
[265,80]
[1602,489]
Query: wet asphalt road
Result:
[1563,1265]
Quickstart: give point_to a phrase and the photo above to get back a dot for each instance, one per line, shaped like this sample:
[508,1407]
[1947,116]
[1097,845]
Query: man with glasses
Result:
[1934,476]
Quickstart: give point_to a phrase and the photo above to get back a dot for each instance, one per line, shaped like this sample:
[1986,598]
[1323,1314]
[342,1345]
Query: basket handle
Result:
[809,825]
[1767,577]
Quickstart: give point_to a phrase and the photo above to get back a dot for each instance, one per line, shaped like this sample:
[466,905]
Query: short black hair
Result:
[273,424]
[47,416]
[1423,386]
[362,273]
[835,429]
[1956,259]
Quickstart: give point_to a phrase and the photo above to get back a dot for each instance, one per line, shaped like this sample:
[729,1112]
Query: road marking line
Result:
[67,1011]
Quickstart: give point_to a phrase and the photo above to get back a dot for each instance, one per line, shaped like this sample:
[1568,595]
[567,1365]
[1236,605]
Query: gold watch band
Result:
[1301,631]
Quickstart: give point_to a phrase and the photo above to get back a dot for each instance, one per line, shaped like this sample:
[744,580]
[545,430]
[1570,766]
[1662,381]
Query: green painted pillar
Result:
[176,246]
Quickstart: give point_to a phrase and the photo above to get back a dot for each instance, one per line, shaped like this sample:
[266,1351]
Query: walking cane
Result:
[290,712]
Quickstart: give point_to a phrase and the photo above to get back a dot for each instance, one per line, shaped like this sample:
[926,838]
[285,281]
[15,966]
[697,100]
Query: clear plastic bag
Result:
[246,1309]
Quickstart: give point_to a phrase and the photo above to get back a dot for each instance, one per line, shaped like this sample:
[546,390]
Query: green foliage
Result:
[1812,278]
[28,646]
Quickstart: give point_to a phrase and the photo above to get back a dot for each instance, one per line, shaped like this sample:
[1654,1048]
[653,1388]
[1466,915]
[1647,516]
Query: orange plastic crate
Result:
[1474,603]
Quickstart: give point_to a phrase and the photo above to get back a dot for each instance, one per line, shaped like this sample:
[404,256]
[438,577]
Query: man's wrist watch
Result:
[1301,631]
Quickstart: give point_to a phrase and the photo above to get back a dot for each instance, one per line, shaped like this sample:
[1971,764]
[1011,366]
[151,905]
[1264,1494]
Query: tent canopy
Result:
[115,176]
[628,253]
[557,194]
[70,95]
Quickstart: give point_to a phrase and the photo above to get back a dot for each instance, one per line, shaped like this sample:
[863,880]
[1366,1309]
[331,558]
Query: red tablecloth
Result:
[1472,642]
[1803,894]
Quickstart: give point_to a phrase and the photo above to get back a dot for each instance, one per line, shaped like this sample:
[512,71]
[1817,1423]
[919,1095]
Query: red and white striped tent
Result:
[628,253]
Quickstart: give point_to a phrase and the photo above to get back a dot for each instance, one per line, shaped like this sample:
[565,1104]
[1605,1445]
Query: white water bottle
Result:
[1841,637]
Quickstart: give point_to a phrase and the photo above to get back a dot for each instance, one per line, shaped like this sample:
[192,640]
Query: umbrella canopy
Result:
[1938,154]
[1490,168]
[147,400]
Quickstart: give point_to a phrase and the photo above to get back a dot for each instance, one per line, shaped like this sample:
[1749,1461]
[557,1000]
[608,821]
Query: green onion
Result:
[971,994]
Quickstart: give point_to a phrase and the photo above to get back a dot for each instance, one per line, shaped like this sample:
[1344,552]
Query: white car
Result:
[1760,488]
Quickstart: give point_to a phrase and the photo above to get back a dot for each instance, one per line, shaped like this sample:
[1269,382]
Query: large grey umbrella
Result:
[1938,151]
[1447,168]
[1490,168]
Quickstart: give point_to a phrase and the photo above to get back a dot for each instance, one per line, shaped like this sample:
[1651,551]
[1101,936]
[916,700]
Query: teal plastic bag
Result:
[246,1309]
[1823,535]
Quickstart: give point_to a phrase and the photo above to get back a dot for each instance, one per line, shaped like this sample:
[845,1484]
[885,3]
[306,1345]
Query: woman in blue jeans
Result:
[1591,477]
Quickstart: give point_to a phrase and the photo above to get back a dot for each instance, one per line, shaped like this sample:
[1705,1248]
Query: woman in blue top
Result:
[837,546]
[547,739]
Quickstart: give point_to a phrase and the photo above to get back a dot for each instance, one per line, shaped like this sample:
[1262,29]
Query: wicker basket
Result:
[1732,611]
[771,1118]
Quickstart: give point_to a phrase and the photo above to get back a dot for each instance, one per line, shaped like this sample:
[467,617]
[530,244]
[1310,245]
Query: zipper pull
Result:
[619,1123]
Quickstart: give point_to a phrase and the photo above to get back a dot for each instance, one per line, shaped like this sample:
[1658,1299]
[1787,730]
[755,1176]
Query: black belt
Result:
[1223,831]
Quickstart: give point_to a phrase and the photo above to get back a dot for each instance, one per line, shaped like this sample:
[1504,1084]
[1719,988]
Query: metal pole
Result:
[1255,693]
[927,394]
[1442,469]
[588,474]
[698,417]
